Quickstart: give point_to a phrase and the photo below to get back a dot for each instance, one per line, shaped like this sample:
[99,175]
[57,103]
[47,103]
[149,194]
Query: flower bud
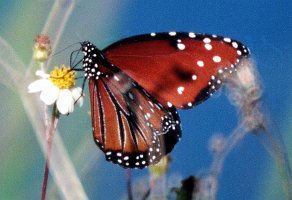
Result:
[42,48]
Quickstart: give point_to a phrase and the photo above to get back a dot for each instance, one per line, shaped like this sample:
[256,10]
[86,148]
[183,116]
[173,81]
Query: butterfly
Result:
[136,84]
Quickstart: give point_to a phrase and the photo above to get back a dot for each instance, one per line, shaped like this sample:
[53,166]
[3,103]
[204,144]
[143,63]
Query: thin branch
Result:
[11,66]
[50,135]
[129,184]
[10,56]
[245,91]
[209,184]
[234,138]
[8,76]
[271,139]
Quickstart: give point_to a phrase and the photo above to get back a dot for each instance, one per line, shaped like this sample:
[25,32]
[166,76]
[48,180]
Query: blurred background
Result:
[249,172]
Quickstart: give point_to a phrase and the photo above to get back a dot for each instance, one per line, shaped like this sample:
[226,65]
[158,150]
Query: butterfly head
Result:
[93,57]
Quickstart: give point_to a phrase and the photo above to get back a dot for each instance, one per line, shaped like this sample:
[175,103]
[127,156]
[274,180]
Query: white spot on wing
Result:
[206,40]
[192,35]
[181,46]
[200,63]
[227,40]
[116,78]
[235,45]
[217,59]
[131,95]
[126,158]
[180,89]
[208,47]
[172,33]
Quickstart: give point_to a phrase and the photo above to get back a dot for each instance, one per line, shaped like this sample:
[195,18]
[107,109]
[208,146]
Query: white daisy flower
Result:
[58,87]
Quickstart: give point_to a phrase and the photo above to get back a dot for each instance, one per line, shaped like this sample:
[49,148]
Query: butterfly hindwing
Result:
[129,126]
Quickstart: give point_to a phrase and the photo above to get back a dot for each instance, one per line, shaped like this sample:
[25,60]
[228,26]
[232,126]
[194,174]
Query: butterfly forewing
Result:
[184,68]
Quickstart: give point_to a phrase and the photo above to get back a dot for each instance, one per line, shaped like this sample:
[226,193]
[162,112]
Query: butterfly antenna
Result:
[72,60]
[65,48]
[82,91]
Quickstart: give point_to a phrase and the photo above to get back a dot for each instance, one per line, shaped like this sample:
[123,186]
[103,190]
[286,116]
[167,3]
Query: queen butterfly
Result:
[137,83]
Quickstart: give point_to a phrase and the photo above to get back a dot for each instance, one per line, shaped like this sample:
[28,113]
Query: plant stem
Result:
[45,182]
[151,186]
[50,132]
[129,184]
[210,187]
[271,139]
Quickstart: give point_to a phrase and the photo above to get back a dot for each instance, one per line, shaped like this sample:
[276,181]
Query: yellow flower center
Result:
[63,78]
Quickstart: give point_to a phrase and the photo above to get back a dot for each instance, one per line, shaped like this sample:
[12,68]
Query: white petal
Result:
[38,85]
[49,93]
[42,74]
[77,96]
[65,102]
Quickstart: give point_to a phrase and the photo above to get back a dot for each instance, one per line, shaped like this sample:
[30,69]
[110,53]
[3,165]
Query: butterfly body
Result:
[136,84]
